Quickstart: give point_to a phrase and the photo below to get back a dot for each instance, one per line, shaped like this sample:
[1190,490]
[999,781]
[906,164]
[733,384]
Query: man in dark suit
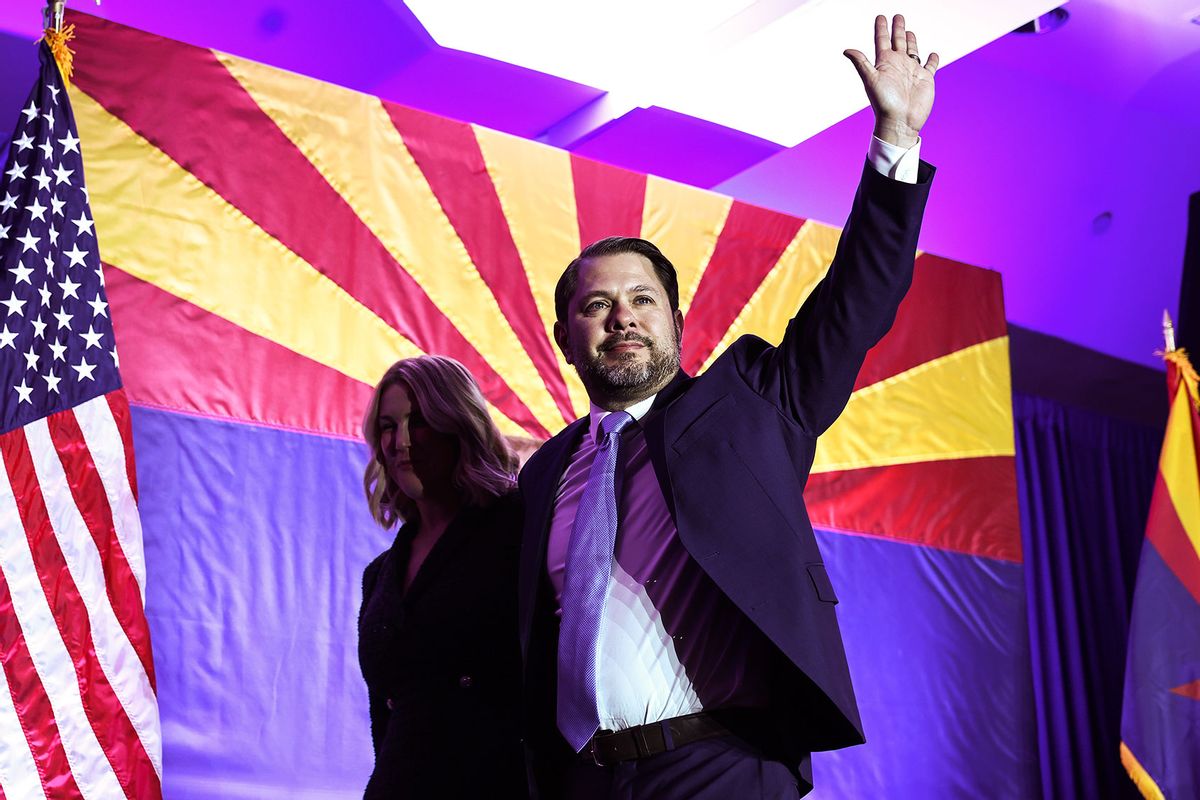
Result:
[677,622]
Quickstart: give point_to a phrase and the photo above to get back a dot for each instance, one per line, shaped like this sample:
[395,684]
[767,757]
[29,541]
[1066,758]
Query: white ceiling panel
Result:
[771,68]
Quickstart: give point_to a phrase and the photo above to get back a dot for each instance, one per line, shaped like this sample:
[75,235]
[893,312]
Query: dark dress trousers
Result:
[441,662]
[732,450]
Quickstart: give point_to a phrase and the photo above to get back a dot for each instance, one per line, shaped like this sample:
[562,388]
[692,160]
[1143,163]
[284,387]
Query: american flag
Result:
[78,711]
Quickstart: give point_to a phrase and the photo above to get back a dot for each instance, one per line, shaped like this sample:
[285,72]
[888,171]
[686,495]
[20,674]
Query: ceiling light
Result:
[1046,22]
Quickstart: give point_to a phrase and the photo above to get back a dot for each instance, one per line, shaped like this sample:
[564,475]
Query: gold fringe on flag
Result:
[64,56]
[1143,781]
[1179,358]
[1187,373]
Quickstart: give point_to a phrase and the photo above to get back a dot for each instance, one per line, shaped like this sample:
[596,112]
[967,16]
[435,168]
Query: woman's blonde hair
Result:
[451,403]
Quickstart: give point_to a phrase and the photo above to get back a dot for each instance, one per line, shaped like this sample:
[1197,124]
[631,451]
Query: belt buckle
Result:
[640,743]
[591,748]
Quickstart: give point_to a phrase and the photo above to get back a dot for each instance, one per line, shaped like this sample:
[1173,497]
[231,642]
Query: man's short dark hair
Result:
[611,246]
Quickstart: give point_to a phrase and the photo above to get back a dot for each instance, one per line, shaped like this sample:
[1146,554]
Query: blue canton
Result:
[56,336]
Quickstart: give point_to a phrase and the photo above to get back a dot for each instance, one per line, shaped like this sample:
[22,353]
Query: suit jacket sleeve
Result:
[811,374]
[376,702]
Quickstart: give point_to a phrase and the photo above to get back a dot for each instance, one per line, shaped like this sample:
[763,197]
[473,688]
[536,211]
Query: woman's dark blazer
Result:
[441,661]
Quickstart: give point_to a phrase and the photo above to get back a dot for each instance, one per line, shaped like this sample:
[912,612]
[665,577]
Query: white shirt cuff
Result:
[894,161]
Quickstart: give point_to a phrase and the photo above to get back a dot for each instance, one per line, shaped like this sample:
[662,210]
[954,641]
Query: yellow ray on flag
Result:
[534,184]
[359,152]
[956,406]
[685,223]
[803,263]
[1177,465]
[162,225]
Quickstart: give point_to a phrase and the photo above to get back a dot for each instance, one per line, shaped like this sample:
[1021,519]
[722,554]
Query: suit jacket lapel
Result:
[654,426]
[442,553]
[540,486]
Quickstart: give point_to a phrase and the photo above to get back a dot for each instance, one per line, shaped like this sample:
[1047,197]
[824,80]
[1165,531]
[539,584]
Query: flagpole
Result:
[1168,331]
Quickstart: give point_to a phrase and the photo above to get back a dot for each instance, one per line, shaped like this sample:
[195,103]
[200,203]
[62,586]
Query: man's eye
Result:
[644,299]
[595,305]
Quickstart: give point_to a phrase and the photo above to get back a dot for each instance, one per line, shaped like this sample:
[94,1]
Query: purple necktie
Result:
[585,589]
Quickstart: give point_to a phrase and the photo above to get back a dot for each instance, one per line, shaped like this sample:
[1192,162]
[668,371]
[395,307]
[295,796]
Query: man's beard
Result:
[631,378]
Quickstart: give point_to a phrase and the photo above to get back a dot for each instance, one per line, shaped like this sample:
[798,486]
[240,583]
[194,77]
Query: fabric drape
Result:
[1084,483]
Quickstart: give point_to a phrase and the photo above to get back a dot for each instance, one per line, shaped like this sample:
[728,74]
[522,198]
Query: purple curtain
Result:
[1084,482]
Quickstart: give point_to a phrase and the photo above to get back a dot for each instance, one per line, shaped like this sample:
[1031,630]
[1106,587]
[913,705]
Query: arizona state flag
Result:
[1160,724]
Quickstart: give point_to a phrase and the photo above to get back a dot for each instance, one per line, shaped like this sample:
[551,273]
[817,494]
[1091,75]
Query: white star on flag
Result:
[48,149]
[44,291]
[21,274]
[58,350]
[62,174]
[91,337]
[37,210]
[24,143]
[76,255]
[31,358]
[84,369]
[30,112]
[16,171]
[7,338]
[39,328]
[84,224]
[52,382]
[99,307]
[70,143]
[29,241]
[69,288]
[9,203]
[25,391]
[43,180]
[57,205]
[15,305]
[64,319]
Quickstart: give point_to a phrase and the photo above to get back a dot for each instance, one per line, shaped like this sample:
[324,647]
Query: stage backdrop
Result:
[273,243]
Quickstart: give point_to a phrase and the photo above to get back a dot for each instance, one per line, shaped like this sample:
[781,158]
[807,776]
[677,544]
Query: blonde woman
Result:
[437,628]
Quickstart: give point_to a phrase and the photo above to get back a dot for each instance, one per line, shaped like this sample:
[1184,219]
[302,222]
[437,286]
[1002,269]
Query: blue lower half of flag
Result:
[1160,723]
[256,539]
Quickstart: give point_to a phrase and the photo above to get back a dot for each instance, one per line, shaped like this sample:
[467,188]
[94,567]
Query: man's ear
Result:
[563,341]
[679,326]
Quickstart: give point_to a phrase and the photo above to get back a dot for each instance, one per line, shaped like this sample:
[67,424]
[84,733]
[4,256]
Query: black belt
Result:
[610,747]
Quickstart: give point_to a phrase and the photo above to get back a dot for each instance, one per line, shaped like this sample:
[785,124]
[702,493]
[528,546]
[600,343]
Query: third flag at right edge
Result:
[1160,720]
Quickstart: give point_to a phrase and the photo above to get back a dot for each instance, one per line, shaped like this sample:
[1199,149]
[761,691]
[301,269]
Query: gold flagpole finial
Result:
[1168,331]
[54,15]
[58,38]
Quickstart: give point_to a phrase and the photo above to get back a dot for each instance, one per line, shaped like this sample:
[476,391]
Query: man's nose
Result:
[621,317]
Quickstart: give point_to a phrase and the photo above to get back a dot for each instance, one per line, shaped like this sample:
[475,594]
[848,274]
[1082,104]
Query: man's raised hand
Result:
[898,85]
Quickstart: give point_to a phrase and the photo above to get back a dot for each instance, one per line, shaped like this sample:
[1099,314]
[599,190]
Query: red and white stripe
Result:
[79,716]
